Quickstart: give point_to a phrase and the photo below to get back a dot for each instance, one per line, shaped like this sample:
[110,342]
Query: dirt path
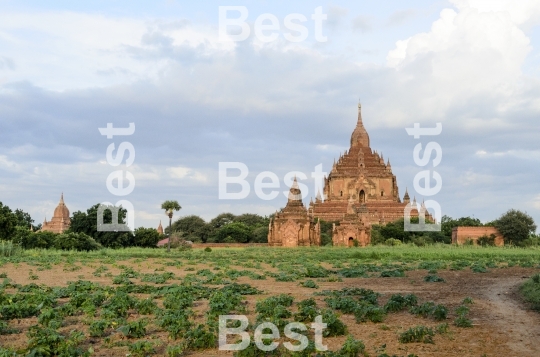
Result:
[521,325]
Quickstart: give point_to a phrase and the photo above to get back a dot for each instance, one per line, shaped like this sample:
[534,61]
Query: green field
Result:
[143,302]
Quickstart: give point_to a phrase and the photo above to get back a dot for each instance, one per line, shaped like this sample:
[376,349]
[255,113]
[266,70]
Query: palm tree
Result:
[169,207]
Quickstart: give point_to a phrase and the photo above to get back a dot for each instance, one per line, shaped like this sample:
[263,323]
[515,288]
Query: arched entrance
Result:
[362,197]
[351,242]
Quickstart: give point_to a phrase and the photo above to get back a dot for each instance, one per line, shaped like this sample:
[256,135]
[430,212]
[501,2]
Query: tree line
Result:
[517,228]
[224,228]
[83,234]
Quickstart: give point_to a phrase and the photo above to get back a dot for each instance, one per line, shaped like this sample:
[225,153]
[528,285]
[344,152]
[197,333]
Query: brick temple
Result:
[294,226]
[60,221]
[360,191]
[361,175]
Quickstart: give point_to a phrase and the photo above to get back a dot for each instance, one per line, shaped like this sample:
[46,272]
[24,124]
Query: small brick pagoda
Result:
[293,226]
[60,221]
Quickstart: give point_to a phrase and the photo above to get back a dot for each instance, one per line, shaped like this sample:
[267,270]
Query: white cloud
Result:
[181,172]
[520,154]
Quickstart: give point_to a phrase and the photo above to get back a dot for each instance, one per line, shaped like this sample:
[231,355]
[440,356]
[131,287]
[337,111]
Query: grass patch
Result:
[531,291]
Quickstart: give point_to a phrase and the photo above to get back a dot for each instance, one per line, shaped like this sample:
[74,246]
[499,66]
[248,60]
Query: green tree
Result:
[194,228]
[29,240]
[24,219]
[87,223]
[170,207]
[8,222]
[448,223]
[252,220]
[238,232]
[515,226]
[146,237]
[75,241]
[260,234]
[221,220]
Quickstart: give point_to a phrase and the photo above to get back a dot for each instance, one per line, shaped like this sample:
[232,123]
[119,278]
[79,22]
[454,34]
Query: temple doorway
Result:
[351,242]
[362,197]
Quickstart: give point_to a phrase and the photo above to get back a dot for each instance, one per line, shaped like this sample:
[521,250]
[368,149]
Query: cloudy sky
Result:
[197,98]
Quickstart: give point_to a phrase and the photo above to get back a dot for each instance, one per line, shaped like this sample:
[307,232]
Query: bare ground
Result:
[502,324]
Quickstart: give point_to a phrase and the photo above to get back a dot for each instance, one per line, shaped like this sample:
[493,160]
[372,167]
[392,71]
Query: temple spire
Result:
[62,198]
[318,198]
[406,198]
[360,136]
[294,193]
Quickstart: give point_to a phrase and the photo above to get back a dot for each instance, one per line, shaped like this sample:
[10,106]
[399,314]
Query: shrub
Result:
[135,329]
[486,241]
[334,326]
[398,302]
[97,328]
[75,241]
[352,348]
[207,249]
[366,312]
[462,320]
[531,291]
[223,302]
[307,311]
[392,242]
[175,322]
[200,338]
[146,237]
[395,273]
[429,309]
[175,350]
[309,284]
[141,348]
[417,334]
[433,279]
[146,306]
[9,249]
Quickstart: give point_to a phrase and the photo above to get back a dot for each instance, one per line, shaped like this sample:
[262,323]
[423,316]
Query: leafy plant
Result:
[429,309]
[398,302]
[417,334]
[175,350]
[200,338]
[394,273]
[141,348]
[462,320]
[309,284]
[352,347]
[433,279]
[97,328]
[146,307]
[307,311]
[334,326]
[135,329]
[175,322]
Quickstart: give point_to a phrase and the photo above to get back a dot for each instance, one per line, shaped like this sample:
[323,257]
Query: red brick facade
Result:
[60,221]
[460,235]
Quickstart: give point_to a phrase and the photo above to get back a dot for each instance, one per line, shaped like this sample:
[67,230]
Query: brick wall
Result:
[229,245]
[461,234]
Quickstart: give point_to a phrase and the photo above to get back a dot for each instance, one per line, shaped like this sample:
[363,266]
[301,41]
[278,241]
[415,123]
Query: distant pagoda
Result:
[60,221]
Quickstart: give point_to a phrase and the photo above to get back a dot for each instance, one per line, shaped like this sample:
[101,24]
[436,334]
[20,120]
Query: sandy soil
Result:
[502,324]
